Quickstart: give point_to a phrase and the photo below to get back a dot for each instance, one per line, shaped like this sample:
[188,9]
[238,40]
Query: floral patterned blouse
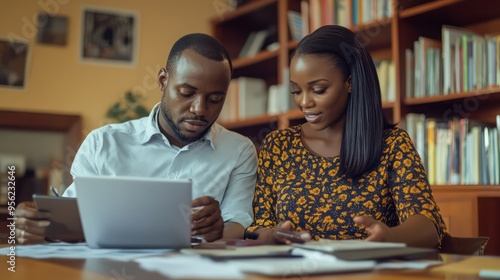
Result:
[294,184]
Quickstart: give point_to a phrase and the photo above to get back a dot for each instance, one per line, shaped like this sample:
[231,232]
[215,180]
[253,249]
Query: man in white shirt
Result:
[179,139]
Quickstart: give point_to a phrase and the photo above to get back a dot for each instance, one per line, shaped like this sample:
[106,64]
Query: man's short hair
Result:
[202,44]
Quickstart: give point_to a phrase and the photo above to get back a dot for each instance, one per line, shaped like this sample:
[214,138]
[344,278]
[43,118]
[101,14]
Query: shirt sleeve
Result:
[84,163]
[237,203]
[265,197]
[410,187]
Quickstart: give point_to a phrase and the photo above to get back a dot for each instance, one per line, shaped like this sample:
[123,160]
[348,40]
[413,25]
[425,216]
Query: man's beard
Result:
[165,113]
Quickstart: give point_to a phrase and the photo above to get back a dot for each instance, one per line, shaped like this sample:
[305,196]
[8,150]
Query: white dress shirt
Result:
[222,164]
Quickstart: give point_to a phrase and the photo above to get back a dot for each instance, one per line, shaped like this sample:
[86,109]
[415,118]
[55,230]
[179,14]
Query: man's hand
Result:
[31,223]
[207,220]
[377,231]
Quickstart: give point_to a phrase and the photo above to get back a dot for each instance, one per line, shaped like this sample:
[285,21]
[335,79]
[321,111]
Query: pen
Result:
[54,191]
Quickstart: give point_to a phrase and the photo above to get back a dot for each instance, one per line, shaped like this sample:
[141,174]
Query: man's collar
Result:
[152,128]
[152,124]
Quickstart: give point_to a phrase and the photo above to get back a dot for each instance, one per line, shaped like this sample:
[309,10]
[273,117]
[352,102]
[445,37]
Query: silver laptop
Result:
[134,212]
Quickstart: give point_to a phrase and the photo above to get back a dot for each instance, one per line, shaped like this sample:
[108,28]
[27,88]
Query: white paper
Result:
[417,264]
[190,266]
[240,251]
[327,245]
[312,262]
[79,251]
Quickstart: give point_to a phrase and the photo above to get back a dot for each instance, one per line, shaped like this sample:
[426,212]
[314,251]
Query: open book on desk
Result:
[357,250]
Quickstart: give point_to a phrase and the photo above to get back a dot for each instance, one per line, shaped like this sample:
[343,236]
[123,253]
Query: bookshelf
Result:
[386,38]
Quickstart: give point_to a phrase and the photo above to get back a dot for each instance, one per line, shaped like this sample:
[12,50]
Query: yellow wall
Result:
[58,82]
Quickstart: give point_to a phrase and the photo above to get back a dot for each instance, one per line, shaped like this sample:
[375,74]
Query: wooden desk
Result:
[455,267]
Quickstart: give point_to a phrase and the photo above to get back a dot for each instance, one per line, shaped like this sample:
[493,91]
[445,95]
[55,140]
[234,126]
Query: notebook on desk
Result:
[359,250]
[134,212]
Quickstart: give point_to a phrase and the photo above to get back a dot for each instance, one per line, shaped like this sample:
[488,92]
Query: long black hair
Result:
[363,137]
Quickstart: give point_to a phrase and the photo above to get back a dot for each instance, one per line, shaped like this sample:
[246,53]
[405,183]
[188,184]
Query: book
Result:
[253,44]
[451,38]
[229,111]
[257,43]
[410,73]
[314,14]
[295,25]
[426,47]
[252,97]
[304,14]
[244,50]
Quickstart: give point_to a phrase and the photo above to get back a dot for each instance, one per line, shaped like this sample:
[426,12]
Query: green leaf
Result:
[141,111]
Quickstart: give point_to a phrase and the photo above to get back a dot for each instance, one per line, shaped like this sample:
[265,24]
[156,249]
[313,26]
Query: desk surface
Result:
[455,267]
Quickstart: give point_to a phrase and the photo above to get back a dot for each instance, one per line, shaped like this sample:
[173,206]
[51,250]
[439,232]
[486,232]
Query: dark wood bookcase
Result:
[461,206]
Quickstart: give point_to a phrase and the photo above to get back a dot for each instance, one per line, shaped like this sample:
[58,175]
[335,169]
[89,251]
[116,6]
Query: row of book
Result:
[463,61]
[316,13]
[250,97]
[386,72]
[458,151]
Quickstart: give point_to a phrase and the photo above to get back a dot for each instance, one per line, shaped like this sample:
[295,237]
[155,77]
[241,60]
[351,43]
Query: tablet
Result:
[65,224]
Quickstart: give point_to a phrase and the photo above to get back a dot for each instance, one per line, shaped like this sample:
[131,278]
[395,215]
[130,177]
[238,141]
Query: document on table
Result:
[191,266]
[327,245]
[78,251]
[312,262]
[243,252]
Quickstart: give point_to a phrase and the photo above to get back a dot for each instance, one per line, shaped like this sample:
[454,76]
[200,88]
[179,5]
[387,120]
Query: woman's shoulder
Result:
[395,134]
[281,135]
[284,133]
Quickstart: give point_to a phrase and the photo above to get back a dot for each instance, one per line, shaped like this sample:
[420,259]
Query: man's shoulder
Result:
[226,136]
[128,128]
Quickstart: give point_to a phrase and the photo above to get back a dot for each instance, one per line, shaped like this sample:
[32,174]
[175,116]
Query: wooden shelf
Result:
[254,121]
[244,10]
[374,35]
[452,12]
[38,121]
[467,188]
[388,105]
[426,7]
[258,58]
[487,92]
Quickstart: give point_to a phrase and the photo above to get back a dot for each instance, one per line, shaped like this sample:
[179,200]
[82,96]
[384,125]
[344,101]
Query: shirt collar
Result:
[152,128]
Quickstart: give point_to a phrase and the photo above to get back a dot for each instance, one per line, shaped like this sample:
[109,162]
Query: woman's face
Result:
[321,90]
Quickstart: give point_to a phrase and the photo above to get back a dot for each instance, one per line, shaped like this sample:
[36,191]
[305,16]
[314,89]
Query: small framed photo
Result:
[52,30]
[109,37]
[14,63]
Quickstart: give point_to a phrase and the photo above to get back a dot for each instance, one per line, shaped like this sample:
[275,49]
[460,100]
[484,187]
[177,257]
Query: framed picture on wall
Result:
[52,29]
[109,36]
[14,63]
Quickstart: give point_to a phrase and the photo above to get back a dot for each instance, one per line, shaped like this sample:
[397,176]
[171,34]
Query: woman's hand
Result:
[282,234]
[377,231]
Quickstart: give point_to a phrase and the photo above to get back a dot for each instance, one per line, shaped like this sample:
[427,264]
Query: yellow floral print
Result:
[294,184]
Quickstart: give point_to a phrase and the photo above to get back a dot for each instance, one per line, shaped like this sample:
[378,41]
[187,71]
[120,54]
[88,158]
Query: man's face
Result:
[193,96]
